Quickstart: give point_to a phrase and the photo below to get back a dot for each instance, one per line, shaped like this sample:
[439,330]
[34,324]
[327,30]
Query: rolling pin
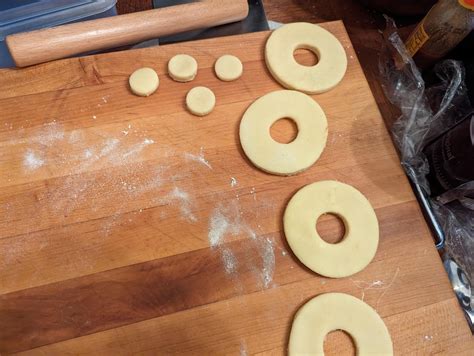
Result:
[45,45]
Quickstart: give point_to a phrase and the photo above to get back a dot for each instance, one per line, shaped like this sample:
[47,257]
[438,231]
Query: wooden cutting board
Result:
[109,204]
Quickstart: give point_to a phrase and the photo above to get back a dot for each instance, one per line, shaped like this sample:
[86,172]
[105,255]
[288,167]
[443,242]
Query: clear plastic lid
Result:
[29,15]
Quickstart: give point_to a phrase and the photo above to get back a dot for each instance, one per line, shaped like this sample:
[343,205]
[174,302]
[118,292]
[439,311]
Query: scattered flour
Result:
[198,158]
[428,337]
[184,201]
[243,348]
[268,259]
[134,150]
[49,134]
[32,160]
[109,146]
[225,224]
[75,136]
[88,153]
[229,261]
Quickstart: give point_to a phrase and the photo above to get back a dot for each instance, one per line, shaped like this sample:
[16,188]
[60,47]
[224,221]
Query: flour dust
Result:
[226,225]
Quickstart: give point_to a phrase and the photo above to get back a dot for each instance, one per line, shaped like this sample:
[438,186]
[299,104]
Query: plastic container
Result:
[28,15]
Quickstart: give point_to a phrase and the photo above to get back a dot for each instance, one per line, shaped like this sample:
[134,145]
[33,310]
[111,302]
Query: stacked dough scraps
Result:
[182,68]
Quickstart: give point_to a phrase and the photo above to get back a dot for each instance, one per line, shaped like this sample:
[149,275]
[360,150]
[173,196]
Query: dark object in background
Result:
[451,157]
[443,28]
[255,21]
[401,7]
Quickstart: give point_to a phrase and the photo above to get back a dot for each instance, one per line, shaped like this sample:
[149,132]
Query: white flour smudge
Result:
[134,150]
[75,136]
[49,134]
[184,201]
[268,259]
[233,182]
[243,348]
[198,158]
[229,261]
[217,229]
[226,223]
[109,146]
[32,160]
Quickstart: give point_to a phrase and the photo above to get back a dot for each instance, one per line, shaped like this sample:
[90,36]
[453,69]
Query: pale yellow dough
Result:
[200,101]
[323,76]
[360,242]
[338,311]
[144,81]
[280,158]
[182,68]
[228,68]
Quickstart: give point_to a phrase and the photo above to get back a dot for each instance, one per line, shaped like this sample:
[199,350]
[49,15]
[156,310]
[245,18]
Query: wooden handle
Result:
[40,46]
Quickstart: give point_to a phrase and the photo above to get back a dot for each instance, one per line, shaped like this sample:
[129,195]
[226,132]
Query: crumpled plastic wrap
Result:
[425,114]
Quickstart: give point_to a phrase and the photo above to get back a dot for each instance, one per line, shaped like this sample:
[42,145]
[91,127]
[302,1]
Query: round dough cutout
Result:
[280,158]
[228,68]
[144,81]
[280,60]
[359,244]
[338,311]
[200,101]
[182,68]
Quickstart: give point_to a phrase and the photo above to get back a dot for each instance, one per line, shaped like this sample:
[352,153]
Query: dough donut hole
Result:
[306,56]
[284,130]
[331,228]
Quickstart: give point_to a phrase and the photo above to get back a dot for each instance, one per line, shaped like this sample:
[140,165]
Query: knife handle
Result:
[45,45]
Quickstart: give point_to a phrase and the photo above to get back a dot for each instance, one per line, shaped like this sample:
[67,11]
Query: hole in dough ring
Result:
[359,244]
[280,158]
[279,56]
[338,311]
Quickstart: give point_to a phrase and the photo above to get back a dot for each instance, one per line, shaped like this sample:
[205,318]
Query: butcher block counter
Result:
[129,226]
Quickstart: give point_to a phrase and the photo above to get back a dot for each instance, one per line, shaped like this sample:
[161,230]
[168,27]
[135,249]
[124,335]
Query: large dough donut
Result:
[323,76]
[359,244]
[338,311]
[281,158]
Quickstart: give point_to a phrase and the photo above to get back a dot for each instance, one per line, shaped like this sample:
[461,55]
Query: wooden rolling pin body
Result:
[40,46]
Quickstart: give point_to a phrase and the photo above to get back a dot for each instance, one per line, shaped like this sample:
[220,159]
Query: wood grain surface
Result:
[122,230]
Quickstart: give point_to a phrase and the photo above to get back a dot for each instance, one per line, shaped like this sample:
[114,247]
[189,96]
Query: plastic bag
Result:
[425,114]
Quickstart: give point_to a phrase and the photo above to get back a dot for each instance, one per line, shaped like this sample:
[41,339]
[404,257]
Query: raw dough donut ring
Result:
[182,68]
[359,244]
[338,311]
[144,81]
[323,76]
[279,158]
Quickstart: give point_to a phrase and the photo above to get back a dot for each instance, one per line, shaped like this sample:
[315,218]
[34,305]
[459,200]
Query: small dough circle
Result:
[338,311]
[182,68]
[280,158]
[200,101]
[280,60]
[359,245]
[228,68]
[144,81]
